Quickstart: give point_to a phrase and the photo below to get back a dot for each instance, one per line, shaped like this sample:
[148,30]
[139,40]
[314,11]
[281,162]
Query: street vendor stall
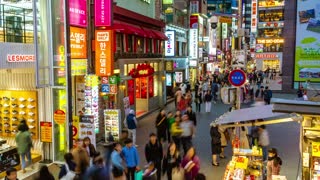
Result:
[304,112]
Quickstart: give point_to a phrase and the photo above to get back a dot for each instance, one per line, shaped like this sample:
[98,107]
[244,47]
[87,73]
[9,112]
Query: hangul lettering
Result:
[102,46]
[103,71]
[103,62]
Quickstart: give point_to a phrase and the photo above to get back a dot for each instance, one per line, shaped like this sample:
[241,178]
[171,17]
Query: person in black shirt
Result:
[192,115]
[154,154]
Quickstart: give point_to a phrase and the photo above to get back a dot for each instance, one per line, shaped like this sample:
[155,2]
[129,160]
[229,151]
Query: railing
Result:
[16,24]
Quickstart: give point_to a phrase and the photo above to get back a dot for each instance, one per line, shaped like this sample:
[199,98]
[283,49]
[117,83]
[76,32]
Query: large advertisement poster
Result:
[307,59]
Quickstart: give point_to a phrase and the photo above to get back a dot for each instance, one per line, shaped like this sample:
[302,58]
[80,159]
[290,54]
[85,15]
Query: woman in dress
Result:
[191,164]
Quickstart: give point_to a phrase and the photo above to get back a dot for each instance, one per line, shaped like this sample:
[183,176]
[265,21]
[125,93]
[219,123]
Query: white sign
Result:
[178,77]
[193,43]
[20,58]
[194,7]
[193,63]
[170,43]
[254,19]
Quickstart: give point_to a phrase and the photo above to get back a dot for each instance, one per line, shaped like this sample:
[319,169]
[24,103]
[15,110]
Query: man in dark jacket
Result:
[153,152]
[192,115]
[267,95]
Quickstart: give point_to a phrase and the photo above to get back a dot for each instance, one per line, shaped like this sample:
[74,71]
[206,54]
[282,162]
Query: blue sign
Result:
[237,77]
[105,88]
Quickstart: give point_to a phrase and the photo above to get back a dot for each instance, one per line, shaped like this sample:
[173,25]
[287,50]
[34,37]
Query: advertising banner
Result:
[78,12]
[112,123]
[78,67]
[103,12]
[78,43]
[170,43]
[104,52]
[307,57]
[193,43]
[194,21]
[254,21]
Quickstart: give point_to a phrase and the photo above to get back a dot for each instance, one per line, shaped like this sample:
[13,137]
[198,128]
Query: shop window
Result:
[150,86]
[157,46]
[130,43]
[140,45]
[130,66]
[149,45]
[125,69]
[156,67]
[119,43]
[155,85]
[142,87]
[130,91]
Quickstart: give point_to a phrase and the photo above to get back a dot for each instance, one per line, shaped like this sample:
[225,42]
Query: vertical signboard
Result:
[78,43]
[103,13]
[170,43]
[112,123]
[78,12]
[104,52]
[193,43]
[307,57]
[254,21]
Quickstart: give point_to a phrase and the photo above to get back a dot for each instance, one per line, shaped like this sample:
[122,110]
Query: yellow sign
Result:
[270,41]
[78,67]
[46,131]
[225,20]
[242,162]
[59,117]
[316,149]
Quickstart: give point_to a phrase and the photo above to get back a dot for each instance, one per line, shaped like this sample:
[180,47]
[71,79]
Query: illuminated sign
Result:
[254,20]
[266,56]
[78,43]
[270,41]
[225,19]
[78,12]
[104,52]
[170,43]
[20,58]
[103,12]
[146,1]
[193,43]
[271,25]
[78,67]
[167,1]
[271,3]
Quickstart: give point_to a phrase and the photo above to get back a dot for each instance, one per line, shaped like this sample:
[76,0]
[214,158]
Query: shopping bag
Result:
[178,173]
[138,175]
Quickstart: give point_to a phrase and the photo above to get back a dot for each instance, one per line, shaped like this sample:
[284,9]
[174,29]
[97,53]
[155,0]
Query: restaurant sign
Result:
[142,70]
[104,52]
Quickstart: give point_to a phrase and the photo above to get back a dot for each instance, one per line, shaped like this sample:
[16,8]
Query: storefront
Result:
[143,84]
[272,61]
[19,99]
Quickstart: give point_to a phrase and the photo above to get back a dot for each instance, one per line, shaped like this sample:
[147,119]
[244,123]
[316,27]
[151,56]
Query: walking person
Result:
[98,170]
[274,163]
[198,100]
[131,157]
[118,168]
[162,126]
[81,159]
[215,143]
[69,165]
[132,125]
[91,150]
[170,120]
[178,95]
[176,132]
[207,100]
[264,141]
[44,174]
[188,131]
[267,95]
[214,90]
[191,164]
[153,153]
[171,160]
[24,145]
[192,115]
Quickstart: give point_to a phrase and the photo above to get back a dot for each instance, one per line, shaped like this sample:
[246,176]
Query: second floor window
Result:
[119,43]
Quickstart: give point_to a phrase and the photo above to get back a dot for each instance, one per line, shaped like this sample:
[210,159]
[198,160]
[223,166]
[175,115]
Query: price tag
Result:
[315,149]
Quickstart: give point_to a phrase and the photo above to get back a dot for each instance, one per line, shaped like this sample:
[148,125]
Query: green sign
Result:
[167,2]
[307,57]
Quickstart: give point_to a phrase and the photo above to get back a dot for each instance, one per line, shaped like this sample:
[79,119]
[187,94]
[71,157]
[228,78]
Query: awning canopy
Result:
[160,35]
[248,114]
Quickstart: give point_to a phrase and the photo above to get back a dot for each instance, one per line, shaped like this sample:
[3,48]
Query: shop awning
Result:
[249,114]
[160,35]
[128,29]
[149,33]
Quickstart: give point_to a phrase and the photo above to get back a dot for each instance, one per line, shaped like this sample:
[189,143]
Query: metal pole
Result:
[68,73]
[239,21]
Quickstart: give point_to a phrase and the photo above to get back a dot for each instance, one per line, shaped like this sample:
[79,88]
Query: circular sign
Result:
[59,117]
[237,77]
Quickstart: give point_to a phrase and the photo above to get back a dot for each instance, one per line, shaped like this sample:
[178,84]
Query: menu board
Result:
[112,123]
[80,95]
[86,128]
[92,99]
[46,131]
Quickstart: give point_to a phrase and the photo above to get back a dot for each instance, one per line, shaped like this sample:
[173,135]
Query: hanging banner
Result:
[104,52]
[193,43]
[78,43]
[170,43]
[78,12]
[254,21]
[307,64]
[103,13]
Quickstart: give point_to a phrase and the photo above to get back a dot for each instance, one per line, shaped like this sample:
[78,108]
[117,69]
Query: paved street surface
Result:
[285,137]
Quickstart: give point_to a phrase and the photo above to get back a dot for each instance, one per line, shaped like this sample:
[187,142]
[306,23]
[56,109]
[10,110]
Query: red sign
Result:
[237,77]
[103,12]
[20,58]
[113,89]
[104,80]
[59,117]
[194,22]
[142,70]
[266,56]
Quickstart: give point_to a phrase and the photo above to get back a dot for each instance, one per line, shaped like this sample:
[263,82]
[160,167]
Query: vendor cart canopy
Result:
[249,114]
[295,106]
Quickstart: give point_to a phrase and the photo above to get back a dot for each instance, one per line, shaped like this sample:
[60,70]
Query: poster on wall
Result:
[178,77]
[307,57]
[112,121]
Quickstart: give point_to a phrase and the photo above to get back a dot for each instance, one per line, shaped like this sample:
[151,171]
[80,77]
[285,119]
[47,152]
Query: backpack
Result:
[70,174]
[130,122]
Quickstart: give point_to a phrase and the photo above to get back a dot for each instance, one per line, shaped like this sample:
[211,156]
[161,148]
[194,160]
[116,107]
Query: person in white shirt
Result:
[264,141]
[183,88]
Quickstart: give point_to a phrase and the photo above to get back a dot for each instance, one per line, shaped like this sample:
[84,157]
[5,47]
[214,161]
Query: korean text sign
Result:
[170,44]
[103,12]
[78,12]
[78,43]
[104,52]
[193,43]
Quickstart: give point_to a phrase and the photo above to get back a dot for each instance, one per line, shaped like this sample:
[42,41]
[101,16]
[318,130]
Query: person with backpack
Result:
[154,153]
[274,163]
[132,124]
[68,169]
[267,95]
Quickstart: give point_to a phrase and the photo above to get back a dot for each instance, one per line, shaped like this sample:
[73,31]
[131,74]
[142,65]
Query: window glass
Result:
[119,43]
[140,45]
[130,43]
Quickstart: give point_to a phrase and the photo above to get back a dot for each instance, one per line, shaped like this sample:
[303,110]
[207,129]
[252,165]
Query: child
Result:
[11,174]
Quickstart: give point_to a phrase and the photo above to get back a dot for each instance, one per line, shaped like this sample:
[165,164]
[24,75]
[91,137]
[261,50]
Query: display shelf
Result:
[16,106]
